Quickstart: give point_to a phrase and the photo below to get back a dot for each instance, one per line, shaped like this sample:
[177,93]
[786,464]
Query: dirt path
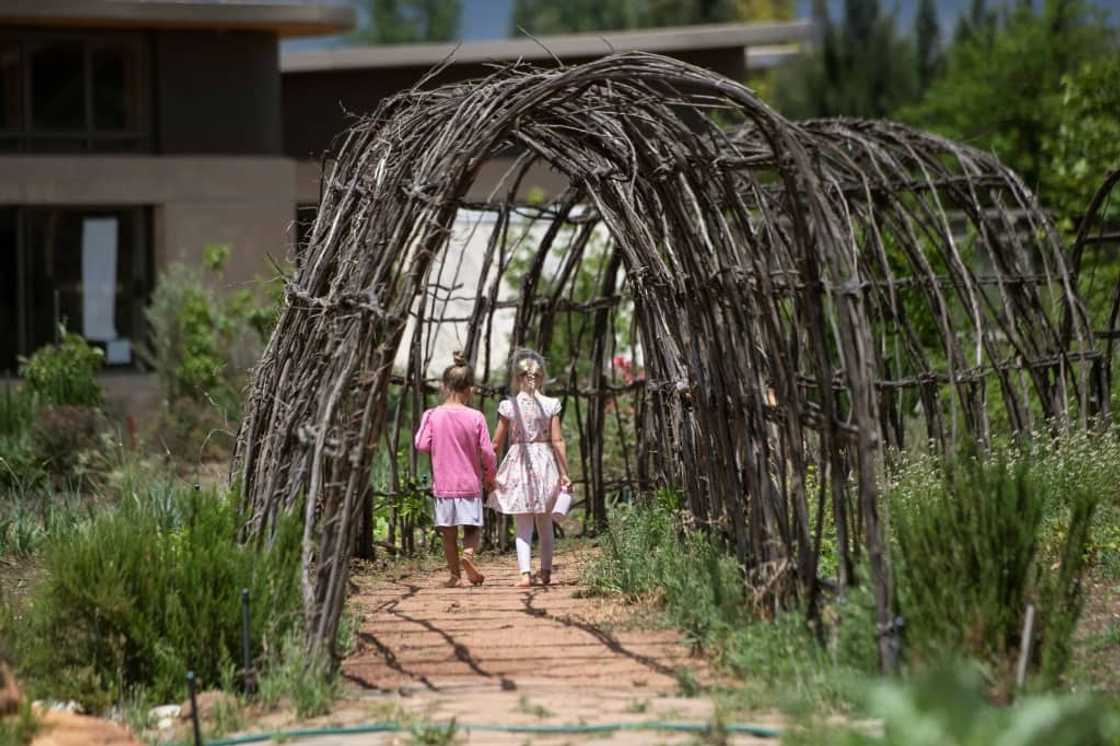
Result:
[499,654]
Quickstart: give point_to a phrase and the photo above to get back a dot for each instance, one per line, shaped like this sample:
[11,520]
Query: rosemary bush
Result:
[980,537]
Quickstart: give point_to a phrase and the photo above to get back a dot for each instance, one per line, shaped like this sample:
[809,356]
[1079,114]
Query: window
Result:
[305,221]
[84,268]
[67,93]
[9,291]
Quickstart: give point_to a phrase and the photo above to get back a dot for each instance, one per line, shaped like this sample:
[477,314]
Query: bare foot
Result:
[452,582]
[525,582]
[546,577]
[473,574]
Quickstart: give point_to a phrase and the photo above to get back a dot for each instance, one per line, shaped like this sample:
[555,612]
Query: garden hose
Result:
[392,726]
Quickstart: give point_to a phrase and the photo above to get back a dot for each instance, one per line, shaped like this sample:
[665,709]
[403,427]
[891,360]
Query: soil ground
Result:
[497,654]
[1096,654]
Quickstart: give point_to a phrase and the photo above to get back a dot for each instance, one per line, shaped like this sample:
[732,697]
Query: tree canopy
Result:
[573,16]
[1020,83]
[862,67]
[410,21]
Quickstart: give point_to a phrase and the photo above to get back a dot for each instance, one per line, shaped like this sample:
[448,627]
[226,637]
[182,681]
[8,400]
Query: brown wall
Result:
[217,92]
[314,102]
[247,202]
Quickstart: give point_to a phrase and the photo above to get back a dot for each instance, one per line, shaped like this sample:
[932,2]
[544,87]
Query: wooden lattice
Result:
[801,295]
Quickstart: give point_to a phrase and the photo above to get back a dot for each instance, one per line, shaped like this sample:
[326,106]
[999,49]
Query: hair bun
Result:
[458,358]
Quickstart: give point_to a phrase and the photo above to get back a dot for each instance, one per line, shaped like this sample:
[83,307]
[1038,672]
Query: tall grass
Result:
[649,555]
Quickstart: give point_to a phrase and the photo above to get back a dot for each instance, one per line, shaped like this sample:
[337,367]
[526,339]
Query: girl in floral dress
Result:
[535,468]
[463,463]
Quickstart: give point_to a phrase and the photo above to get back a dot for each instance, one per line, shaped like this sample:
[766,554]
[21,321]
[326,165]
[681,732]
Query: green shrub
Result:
[141,593]
[17,409]
[21,468]
[947,706]
[64,374]
[310,686]
[972,539]
[29,517]
[202,341]
[63,435]
[648,554]
[20,728]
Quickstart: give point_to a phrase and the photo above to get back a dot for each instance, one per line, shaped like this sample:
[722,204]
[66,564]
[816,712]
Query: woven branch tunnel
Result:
[802,298]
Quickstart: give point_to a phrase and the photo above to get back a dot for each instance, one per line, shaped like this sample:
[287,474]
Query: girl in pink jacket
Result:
[463,467]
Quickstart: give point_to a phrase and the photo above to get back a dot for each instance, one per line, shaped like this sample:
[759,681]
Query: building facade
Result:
[133,134]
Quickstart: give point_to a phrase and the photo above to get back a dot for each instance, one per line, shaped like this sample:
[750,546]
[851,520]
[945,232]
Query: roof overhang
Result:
[677,39]
[283,19]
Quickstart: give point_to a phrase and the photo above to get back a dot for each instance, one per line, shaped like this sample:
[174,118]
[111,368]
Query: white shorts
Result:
[458,511]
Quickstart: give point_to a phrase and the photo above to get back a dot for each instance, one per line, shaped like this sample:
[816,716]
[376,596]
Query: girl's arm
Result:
[489,461]
[561,451]
[423,439]
[501,432]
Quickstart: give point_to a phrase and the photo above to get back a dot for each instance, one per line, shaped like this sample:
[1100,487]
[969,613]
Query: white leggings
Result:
[524,542]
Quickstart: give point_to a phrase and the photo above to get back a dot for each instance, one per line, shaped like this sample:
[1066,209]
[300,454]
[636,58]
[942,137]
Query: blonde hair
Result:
[459,376]
[527,367]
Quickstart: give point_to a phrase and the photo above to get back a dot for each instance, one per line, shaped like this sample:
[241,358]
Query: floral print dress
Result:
[528,480]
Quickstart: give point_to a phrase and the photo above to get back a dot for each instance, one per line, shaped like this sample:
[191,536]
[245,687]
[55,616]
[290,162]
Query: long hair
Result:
[527,371]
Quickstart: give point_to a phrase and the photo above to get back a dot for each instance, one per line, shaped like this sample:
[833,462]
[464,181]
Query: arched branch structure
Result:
[1094,264]
[801,296]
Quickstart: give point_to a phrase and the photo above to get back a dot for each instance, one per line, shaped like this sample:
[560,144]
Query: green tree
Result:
[862,66]
[765,10]
[1002,90]
[927,42]
[410,21]
[978,21]
[1086,143]
[573,16]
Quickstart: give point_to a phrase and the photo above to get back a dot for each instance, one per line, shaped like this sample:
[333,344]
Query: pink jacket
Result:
[462,454]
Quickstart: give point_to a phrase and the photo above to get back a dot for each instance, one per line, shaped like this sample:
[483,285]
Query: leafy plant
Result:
[201,343]
[947,707]
[433,734]
[64,374]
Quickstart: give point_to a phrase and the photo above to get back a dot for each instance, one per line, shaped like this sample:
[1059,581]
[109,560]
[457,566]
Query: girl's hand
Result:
[565,483]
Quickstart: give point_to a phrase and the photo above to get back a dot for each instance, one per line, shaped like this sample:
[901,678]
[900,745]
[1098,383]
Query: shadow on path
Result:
[601,635]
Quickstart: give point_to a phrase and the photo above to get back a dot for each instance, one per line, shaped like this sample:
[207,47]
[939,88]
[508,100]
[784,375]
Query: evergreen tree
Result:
[572,16]
[927,42]
[765,10]
[979,21]
[410,21]
[861,67]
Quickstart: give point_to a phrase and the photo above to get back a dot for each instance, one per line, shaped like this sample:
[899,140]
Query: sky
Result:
[489,19]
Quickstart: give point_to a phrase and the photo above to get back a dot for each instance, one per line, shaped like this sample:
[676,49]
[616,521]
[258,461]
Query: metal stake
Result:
[194,709]
[245,655]
[1025,647]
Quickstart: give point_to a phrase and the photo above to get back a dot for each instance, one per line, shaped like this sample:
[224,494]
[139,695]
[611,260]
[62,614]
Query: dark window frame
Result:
[141,275]
[28,139]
